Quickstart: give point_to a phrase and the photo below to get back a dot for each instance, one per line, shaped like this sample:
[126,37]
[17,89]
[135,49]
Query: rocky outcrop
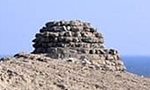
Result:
[79,40]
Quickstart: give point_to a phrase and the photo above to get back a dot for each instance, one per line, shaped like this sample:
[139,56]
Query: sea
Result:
[139,65]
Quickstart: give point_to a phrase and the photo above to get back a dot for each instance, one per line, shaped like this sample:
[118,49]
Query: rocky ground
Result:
[37,72]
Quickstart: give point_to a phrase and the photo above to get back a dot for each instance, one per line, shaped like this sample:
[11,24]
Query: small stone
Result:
[21,54]
[84,60]
[77,34]
[68,34]
[101,51]
[67,39]
[68,27]
[99,35]
[75,39]
[64,28]
[119,62]
[74,29]
[50,24]
[112,52]
[109,57]
[92,30]
[91,52]
[72,60]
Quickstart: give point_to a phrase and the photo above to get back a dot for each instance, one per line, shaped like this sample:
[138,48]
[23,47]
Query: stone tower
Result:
[76,39]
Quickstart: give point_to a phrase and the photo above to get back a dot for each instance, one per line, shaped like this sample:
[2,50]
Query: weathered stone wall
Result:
[76,39]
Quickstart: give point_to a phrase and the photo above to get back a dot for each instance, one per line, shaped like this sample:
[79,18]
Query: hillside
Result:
[38,72]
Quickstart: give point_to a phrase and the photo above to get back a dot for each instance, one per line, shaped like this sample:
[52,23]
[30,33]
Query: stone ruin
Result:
[76,39]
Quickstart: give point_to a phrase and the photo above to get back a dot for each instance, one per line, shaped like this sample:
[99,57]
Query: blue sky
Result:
[125,24]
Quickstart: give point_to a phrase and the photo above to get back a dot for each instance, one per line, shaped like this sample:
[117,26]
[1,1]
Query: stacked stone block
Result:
[66,39]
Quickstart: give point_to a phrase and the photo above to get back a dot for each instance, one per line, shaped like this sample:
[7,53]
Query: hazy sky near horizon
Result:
[125,24]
